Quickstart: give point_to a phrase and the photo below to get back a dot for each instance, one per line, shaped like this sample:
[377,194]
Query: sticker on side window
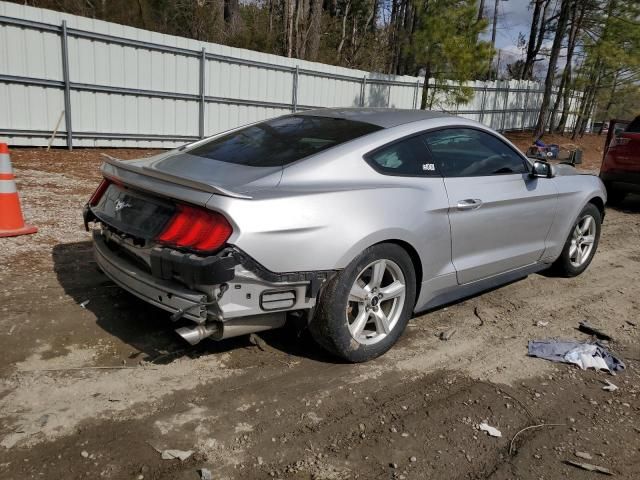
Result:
[429,167]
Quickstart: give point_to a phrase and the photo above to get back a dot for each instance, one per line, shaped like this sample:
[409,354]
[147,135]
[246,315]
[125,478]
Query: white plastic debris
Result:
[85,303]
[584,455]
[205,474]
[181,455]
[492,431]
[609,387]
[584,357]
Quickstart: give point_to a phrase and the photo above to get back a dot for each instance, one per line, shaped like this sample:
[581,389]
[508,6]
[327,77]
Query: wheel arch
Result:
[413,255]
[599,203]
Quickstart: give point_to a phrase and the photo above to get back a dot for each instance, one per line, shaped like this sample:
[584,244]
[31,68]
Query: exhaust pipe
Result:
[196,334]
[232,328]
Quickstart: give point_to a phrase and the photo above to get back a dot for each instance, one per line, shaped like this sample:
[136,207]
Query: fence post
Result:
[526,105]
[495,102]
[203,63]
[416,93]
[67,87]
[506,106]
[363,91]
[457,102]
[389,96]
[294,97]
[482,104]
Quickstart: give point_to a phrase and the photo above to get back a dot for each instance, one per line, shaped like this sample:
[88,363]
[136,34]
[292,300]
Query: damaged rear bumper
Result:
[219,293]
[161,293]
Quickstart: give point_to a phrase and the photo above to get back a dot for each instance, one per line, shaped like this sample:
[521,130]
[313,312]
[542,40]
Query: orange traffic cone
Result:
[11,221]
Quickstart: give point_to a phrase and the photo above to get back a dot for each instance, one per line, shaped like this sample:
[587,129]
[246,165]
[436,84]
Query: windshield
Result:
[282,140]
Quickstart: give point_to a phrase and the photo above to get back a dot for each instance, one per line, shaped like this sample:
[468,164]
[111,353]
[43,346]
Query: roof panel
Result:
[383,117]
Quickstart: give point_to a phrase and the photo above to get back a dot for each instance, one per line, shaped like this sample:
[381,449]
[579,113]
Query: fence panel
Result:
[104,84]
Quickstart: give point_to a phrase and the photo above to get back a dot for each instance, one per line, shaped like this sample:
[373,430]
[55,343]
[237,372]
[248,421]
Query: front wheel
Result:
[365,308]
[582,243]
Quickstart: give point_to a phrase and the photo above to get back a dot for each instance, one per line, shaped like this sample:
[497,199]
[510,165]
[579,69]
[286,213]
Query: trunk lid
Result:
[132,212]
[205,174]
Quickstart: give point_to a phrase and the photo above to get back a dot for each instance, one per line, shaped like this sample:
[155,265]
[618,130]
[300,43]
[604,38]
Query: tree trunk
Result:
[231,11]
[425,87]
[290,7]
[343,35]
[566,100]
[531,44]
[481,10]
[610,102]
[553,60]
[577,14]
[315,27]
[586,101]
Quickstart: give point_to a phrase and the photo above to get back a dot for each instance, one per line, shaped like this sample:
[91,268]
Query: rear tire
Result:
[582,243]
[364,309]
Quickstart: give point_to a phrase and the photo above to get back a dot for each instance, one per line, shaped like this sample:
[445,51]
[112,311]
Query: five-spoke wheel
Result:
[376,301]
[584,235]
[364,309]
[581,244]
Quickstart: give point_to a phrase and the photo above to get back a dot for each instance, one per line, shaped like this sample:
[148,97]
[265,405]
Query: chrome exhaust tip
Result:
[232,328]
[196,334]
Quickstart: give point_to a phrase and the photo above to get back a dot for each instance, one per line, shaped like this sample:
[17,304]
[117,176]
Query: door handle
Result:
[469,204]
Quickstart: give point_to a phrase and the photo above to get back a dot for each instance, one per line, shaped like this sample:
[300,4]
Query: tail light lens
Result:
[196,229]
[97,195]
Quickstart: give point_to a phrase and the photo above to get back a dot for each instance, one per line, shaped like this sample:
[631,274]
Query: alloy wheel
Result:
[376,301]
[582,240]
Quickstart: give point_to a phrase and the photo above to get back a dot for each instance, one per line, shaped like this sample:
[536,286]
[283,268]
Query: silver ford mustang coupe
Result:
[350,220]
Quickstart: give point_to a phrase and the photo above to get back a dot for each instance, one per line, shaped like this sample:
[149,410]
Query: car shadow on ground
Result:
[631,204]
[148,329]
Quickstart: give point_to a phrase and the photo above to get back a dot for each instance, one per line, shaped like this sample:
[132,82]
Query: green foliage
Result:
[446,45]
[611,64]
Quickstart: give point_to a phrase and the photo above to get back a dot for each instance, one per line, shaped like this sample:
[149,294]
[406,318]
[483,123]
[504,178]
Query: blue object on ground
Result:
[569,351]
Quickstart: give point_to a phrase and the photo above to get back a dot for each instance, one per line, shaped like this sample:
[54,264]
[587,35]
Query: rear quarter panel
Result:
[320,228]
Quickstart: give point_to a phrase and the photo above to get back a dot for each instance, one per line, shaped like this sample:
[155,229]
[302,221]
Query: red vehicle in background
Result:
[620,170]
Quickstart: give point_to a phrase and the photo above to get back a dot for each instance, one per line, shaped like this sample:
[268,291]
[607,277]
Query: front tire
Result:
[364,309]
[582,243]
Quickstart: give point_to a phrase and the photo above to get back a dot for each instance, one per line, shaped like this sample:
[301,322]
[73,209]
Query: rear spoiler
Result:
[167,177]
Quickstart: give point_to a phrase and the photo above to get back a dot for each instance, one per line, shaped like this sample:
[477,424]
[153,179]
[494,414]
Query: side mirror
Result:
[541,170]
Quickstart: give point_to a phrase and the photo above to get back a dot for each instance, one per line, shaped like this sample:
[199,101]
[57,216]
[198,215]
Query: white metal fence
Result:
[104,84]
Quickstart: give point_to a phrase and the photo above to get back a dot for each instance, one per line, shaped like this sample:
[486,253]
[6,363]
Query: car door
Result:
[499,215]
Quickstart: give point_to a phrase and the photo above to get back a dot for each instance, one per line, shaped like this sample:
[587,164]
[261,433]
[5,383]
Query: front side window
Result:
[281,141]
[466,152]
[406,157]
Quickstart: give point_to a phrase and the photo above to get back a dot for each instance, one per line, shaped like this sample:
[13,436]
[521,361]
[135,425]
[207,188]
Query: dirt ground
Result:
[94,383]
[592,146]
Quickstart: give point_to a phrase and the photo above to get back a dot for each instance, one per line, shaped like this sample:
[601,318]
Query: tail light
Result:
[196,229]
[97,195]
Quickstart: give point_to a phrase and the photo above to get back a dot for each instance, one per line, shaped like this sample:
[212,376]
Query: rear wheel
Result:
[365,308]
[582,243]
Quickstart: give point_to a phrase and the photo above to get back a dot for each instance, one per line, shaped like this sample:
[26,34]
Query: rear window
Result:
[282,141]
[634,126]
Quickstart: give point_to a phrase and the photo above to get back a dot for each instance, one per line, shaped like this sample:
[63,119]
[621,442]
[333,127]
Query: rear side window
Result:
[282,141]
[406,157]
[466,152]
